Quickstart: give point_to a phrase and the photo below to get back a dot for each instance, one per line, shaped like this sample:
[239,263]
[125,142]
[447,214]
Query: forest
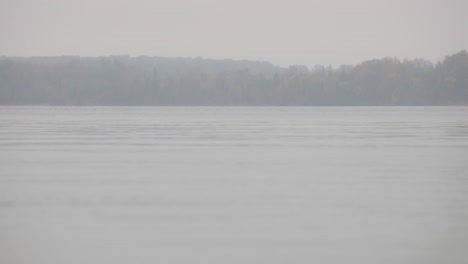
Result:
[124,80]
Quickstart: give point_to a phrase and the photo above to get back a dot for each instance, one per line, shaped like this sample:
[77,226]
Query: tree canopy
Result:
[123,80]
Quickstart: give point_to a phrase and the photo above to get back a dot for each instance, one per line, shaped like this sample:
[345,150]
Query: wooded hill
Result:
[123,80]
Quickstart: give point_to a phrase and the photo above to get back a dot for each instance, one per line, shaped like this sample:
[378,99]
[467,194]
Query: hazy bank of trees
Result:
[122,80]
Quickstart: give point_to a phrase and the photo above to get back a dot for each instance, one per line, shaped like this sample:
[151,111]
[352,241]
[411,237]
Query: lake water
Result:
[229,185]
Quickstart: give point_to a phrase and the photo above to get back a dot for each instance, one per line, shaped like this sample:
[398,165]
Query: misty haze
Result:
[123,80]
[233,132]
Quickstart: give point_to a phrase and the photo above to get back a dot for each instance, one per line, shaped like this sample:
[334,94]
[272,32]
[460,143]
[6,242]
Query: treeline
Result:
[123,80]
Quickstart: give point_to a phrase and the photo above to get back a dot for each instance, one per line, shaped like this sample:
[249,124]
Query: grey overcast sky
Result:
[282,32]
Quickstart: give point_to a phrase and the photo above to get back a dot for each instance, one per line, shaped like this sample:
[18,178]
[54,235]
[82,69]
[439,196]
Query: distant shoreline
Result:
[157,81]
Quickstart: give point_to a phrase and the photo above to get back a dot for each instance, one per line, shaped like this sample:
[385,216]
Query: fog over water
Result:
[233,185]
[226,132]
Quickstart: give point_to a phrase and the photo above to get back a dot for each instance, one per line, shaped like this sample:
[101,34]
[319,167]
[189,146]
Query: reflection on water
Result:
[233,185]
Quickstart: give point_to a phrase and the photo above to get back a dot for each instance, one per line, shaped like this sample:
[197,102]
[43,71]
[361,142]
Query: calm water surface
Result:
[233,185]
